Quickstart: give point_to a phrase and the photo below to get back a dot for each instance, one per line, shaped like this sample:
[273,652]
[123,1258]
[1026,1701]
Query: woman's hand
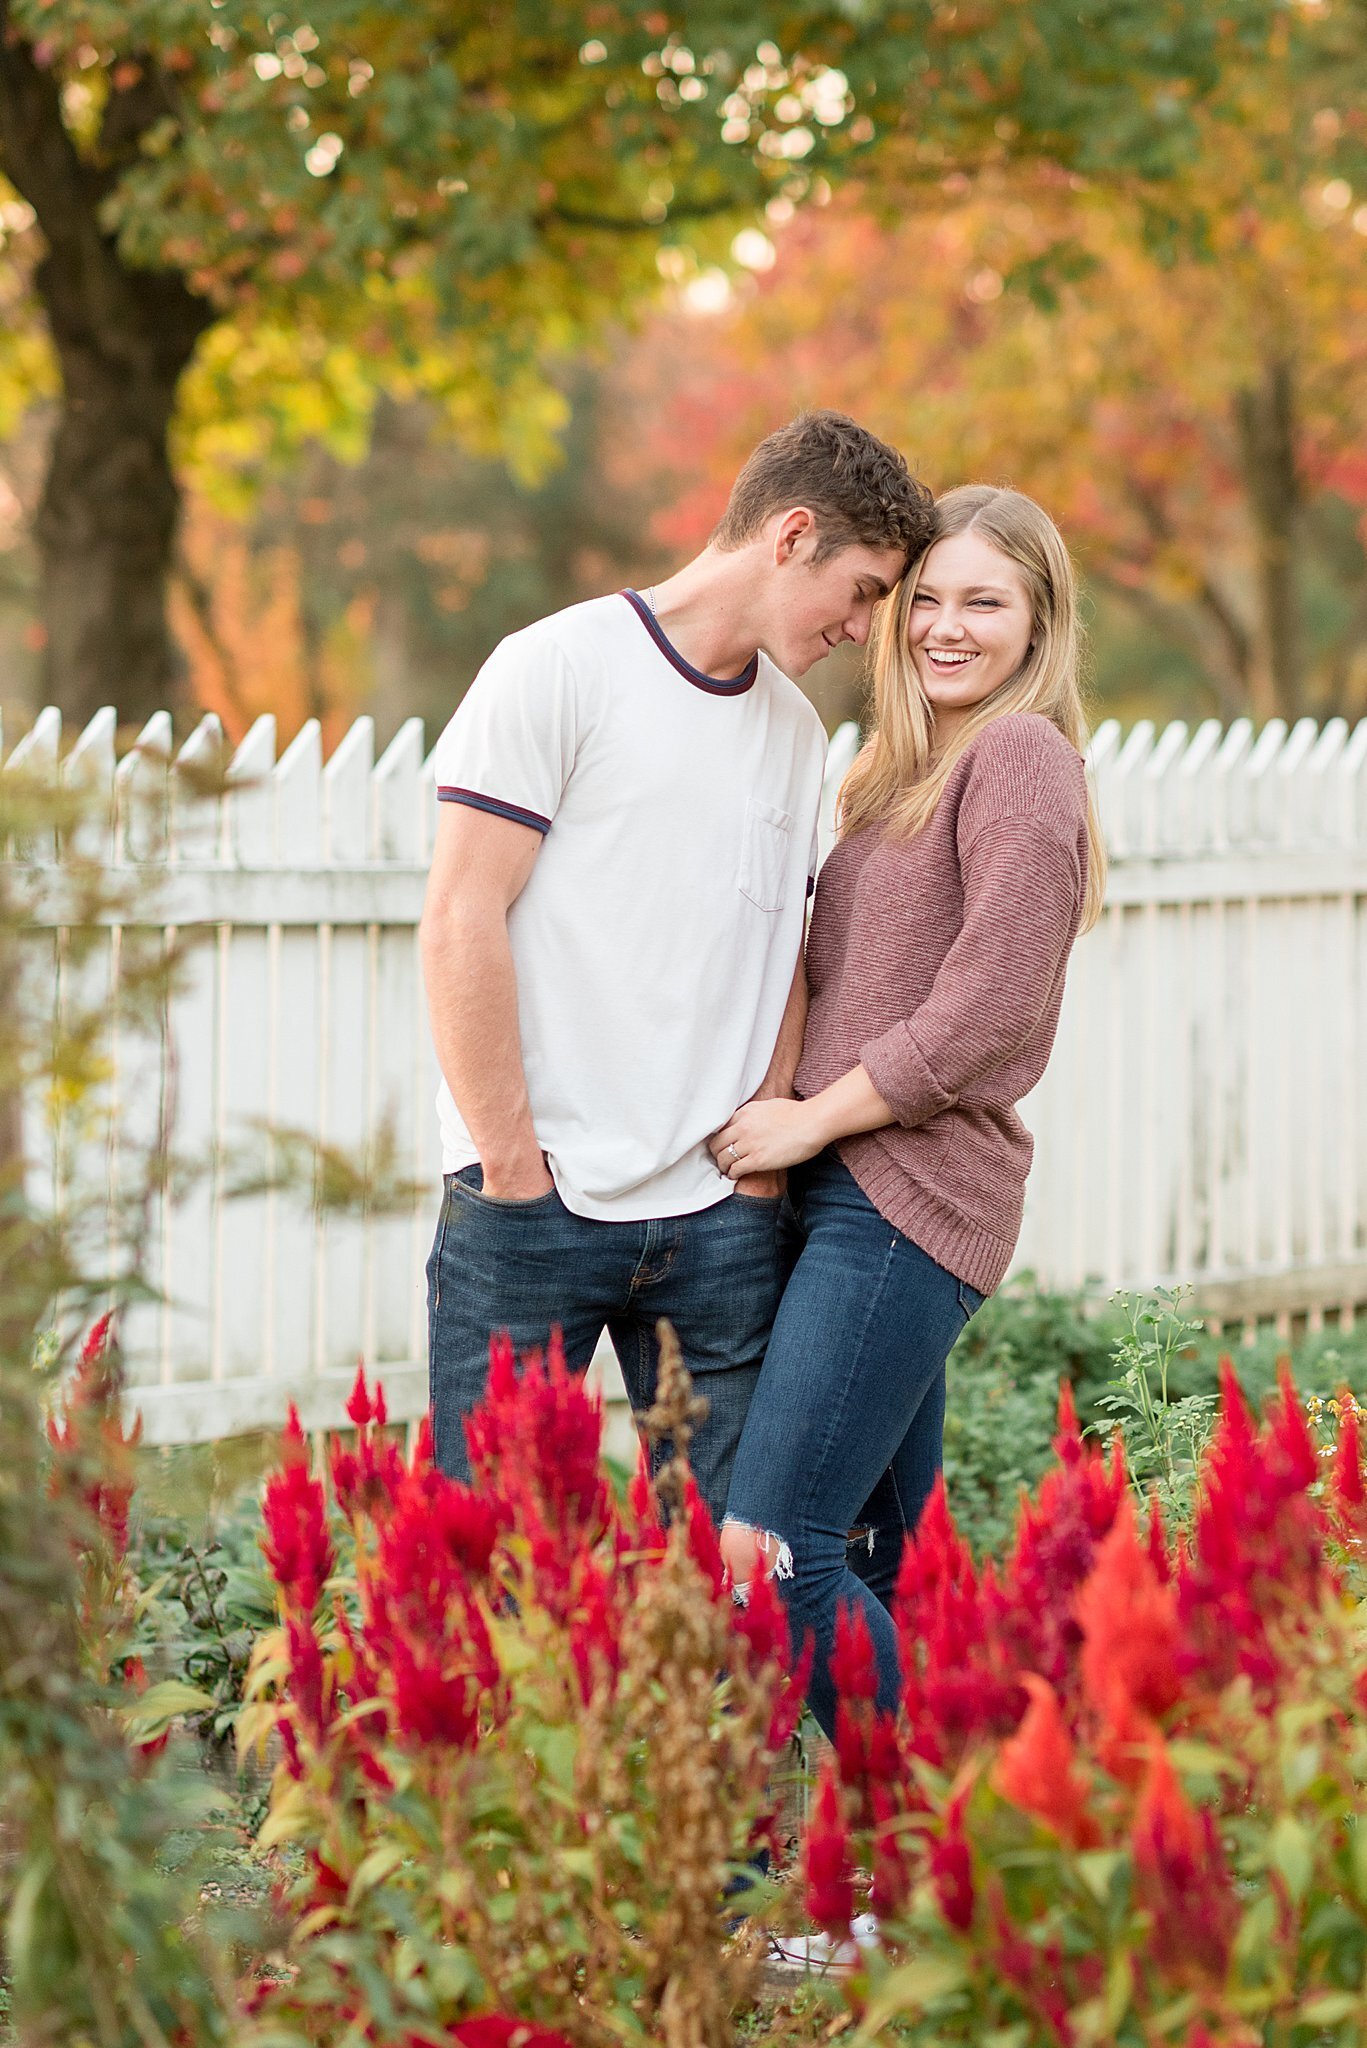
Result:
[764,1137]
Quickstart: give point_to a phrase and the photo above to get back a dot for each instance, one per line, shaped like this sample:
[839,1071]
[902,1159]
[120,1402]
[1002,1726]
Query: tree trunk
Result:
[1265,422]
[106,525]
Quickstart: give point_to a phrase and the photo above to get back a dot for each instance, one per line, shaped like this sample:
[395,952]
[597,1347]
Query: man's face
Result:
[817,606]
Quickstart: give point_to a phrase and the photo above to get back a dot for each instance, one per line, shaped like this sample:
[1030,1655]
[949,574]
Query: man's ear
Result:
[792,528]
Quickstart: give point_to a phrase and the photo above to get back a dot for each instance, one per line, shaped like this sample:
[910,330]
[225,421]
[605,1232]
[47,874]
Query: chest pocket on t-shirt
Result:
[764,854]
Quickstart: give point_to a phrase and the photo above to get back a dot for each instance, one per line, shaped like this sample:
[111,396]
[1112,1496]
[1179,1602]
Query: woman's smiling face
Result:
[971,622]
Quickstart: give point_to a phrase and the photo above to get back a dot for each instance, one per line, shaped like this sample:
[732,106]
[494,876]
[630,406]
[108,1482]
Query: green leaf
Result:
[1291,1853]
[556,1750]
[1327,2008]
[1096,1868]
[1256,1929]
[156,1708]
[373,1869]
[1119,1989]
[908,1989]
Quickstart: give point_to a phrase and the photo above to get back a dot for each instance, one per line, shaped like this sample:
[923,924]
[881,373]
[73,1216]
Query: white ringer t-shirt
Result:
[656,939]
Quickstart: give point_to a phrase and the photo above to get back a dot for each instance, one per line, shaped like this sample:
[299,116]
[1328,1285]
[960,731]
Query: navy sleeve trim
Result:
[495,806]
[811,885]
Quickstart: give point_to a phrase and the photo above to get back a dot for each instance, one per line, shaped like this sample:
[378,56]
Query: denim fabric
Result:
[524,1266]
[845,1431]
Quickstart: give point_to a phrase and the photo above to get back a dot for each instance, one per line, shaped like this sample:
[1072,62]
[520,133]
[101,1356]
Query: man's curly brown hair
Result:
[858,489]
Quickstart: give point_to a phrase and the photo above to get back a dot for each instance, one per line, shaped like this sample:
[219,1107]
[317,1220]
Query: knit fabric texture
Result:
[938,963]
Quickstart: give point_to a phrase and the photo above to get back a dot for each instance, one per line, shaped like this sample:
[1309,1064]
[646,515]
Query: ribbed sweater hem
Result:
[964,1248]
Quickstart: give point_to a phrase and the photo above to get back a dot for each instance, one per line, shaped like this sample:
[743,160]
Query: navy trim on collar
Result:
[734,688]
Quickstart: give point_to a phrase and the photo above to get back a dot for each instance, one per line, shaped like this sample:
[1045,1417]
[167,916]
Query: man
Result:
[612,937]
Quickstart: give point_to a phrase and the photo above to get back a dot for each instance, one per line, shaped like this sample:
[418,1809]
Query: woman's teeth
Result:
[942,658]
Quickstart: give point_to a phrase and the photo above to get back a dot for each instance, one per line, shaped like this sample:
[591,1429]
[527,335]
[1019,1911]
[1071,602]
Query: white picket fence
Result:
[1204,1118]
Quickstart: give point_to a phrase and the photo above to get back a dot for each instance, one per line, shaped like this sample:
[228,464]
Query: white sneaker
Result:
[822,1957]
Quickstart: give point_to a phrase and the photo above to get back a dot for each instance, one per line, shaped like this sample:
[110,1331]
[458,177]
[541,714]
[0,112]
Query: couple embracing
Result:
[655,1102]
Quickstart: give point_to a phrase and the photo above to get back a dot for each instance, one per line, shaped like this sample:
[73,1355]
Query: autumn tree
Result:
[1176,365]
[433,197]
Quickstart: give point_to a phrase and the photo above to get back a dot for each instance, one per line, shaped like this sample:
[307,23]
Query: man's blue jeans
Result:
[846,1428]
[524,1266]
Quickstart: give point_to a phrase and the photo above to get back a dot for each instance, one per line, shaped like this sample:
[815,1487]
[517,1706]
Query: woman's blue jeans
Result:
[844,1437]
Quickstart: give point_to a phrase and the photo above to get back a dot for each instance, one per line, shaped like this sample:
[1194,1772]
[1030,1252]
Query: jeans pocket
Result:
[512,1204]
[764,855]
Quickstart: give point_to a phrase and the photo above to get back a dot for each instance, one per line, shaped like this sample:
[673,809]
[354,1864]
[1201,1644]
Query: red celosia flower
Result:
[1056,1543]
[964,1640]
[1159,1555]
[1132,1639]
[1255,1572]
[762,1626]
[440,1689]
[595,1626]
[854,1667]
[1048,1982]
[826,1859]
[867,1750]
[92,1445]
[536,1443]
[1182,1877]
[1348,1490]
[959,1682]
[309,1683]
[951,1867]
[437,1538]
[1037,1770]
[496,2030]
[358,1405]
[703,1546]
[426,1643]
[297,1543]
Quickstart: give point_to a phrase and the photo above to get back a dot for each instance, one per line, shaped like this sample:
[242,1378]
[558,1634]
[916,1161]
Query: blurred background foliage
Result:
[479,312]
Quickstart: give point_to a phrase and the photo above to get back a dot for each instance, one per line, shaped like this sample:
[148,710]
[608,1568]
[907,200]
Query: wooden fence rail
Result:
[1204,1117]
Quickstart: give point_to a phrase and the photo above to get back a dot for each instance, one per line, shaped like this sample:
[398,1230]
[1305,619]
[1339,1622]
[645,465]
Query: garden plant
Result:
[1121,1801]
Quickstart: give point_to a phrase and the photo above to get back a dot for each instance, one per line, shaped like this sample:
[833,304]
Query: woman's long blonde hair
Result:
[899,778]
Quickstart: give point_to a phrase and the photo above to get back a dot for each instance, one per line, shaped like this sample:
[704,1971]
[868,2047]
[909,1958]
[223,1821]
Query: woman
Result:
[969,857]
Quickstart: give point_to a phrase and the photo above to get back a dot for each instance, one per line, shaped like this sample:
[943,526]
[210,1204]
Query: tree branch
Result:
[628,224]
[37,154]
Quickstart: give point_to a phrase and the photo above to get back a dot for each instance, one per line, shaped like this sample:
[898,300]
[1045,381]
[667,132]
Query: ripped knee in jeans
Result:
[746,1550]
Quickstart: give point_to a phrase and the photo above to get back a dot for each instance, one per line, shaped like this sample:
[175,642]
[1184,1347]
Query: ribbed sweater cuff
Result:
[897,1068]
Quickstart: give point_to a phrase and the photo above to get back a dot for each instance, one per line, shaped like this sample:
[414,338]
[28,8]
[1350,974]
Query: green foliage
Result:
[1137,1364]
[99,1944]
[1164,1437]
[204,1604]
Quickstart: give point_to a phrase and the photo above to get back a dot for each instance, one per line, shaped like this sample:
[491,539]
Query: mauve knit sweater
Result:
[938,962]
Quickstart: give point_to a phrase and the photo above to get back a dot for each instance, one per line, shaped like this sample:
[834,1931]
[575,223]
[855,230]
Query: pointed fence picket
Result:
[1203,1118]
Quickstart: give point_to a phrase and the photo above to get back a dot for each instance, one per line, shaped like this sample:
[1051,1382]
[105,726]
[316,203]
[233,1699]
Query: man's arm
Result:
[480,866]
[778,1081]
